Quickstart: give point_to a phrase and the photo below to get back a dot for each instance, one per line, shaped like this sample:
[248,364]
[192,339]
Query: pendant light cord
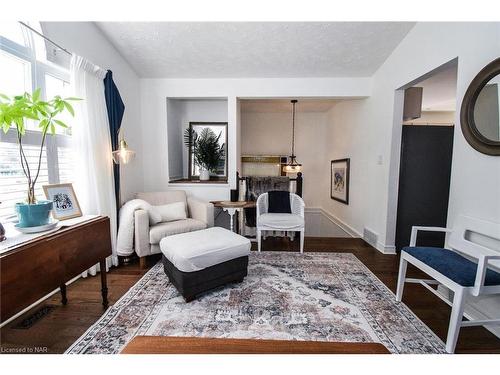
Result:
[293,126]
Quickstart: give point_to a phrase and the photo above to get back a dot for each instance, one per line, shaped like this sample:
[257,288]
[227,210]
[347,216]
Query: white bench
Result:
[470,268]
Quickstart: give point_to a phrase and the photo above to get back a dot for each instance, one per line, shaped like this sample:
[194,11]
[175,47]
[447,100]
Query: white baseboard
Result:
[383,248]
[386,249]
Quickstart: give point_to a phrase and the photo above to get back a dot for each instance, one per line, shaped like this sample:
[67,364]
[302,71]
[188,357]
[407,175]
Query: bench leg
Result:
[457,312]
[143,263]
[301,234]
[403,265]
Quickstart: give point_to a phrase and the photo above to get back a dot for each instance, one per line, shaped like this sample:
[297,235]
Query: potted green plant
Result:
[15,111]
[206,150]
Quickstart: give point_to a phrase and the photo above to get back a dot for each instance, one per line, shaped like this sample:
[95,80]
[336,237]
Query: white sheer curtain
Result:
[94,182]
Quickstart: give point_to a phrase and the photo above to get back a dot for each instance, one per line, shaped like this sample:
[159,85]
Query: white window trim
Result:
[38,71]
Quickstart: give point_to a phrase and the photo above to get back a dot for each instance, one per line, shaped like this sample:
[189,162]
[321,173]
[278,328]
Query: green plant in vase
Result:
[15,112]
[206,150]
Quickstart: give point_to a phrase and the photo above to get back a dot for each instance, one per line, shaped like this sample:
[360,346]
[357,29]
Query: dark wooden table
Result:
[31,270]
[204,345]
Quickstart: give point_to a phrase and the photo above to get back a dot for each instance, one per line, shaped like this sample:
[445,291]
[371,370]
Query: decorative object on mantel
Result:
[15,111]
[293,166]
[63,198]
[207,150]
[339,184]
[123,155]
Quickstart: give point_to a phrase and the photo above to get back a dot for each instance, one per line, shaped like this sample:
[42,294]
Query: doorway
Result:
[426,157]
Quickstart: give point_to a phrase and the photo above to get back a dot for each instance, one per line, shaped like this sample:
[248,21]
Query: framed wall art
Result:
[339,184]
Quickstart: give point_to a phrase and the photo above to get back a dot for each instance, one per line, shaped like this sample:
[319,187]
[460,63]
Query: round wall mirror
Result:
[480,113]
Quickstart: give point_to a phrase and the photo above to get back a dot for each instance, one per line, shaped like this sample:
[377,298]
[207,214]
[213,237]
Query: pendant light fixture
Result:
[293,166]
[123,155]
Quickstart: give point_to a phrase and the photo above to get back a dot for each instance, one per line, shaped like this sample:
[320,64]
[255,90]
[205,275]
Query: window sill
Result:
[186,181]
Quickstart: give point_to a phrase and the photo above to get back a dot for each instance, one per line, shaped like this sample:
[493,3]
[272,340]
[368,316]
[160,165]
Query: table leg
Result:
[231,220]
[104,286]
[231,211]
[64,300]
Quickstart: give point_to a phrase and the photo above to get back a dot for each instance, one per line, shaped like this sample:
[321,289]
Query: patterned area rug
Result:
[288,296]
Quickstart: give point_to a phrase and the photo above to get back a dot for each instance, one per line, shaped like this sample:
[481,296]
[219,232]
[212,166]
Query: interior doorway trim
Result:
[395,156]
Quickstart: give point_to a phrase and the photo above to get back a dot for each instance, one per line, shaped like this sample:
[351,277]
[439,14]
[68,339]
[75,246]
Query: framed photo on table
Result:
[339,183]
[63,197]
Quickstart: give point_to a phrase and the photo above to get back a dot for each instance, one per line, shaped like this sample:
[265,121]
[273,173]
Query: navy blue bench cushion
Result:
[452,265]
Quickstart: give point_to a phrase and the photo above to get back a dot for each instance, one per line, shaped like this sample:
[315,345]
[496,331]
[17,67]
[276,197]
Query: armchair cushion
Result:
[201,210]
[452,265]
[281,221]
[158,231]
[162,197]
[279,202]
[172,211]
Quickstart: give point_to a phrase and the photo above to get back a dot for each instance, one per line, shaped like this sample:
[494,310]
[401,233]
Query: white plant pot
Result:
[204,175]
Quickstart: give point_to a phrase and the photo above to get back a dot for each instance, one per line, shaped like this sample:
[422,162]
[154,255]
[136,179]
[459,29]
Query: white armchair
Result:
[200,215]
[293,222]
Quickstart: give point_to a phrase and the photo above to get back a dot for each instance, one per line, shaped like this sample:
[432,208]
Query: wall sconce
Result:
[123,155]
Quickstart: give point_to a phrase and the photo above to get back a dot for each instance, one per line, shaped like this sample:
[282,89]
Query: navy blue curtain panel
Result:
[116,108]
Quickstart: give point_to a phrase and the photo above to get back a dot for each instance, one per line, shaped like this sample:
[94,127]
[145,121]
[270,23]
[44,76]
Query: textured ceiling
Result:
[440,90]
[255,49]
[284,105]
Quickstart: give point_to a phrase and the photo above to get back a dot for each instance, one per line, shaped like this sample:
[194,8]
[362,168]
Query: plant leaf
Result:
[36,95]
[69,108]
[60,123]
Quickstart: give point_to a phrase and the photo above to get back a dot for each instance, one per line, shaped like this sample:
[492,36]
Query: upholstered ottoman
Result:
[196,262]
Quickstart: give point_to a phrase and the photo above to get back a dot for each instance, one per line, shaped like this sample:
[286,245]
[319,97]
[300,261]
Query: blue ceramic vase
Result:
[33,215]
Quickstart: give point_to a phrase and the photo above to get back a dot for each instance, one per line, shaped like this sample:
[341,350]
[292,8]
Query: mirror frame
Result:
[469,129]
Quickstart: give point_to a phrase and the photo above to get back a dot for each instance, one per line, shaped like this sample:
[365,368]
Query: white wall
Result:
[175,138]
[154,94]
[434,118]
[271,134]
[350,136]
[85,39]
[370,132]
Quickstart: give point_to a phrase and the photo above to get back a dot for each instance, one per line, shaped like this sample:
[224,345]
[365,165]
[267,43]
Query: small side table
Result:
[232,207]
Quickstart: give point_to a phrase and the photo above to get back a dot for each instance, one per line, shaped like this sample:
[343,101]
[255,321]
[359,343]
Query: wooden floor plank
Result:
[64,324]
[205,345]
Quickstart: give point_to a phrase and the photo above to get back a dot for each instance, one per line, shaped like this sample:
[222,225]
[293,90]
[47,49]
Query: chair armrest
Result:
[201,210]
[416,229]
[482,267]
[141,233]
[260,207]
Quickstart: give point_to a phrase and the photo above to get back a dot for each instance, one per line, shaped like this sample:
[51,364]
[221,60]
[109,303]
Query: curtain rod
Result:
[44,37]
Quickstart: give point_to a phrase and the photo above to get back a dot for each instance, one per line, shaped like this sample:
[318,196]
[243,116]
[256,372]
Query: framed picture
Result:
[339,184]
[220,129]
[64,199]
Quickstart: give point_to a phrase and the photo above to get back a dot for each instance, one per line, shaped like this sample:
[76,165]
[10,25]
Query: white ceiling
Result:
[284,105]
[440,90]
[255,49]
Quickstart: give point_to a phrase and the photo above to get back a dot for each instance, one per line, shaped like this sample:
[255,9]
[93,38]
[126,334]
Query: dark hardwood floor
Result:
[62,325]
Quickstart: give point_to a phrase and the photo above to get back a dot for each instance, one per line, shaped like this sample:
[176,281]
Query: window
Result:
[25,66]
